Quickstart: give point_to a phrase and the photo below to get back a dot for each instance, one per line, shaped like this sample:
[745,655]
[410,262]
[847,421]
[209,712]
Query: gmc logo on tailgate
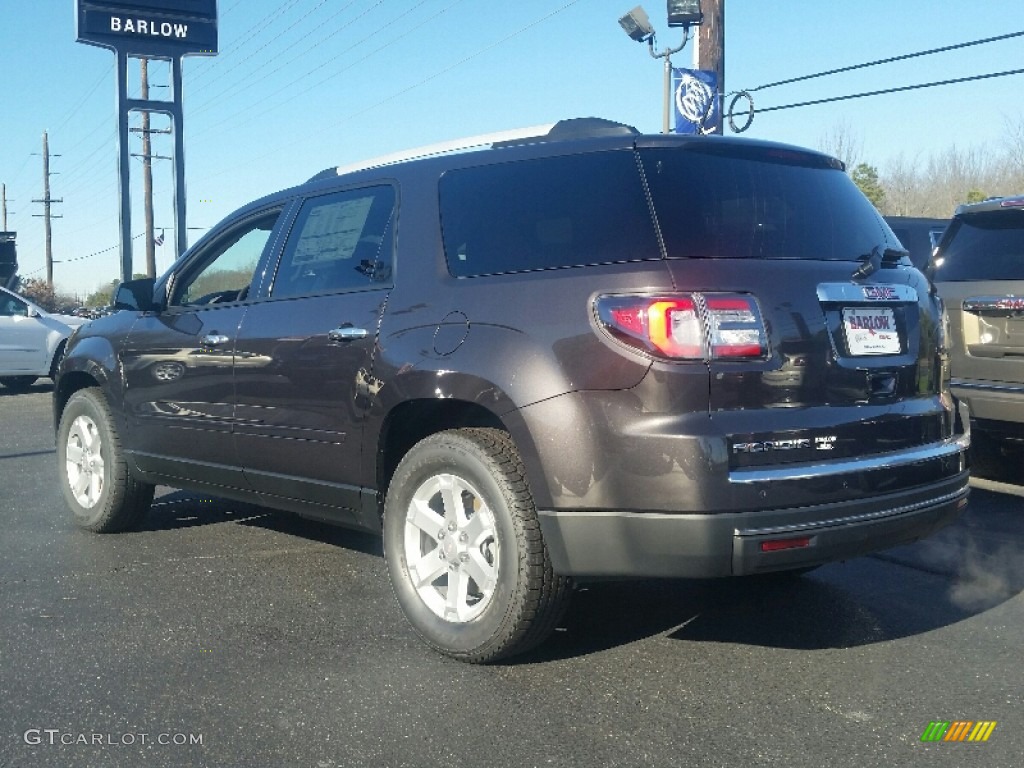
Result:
[879,293]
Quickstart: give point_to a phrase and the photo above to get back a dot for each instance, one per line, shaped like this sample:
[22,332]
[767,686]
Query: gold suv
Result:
[978,270]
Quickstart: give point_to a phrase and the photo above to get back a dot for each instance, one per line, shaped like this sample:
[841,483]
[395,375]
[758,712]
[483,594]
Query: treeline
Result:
[934,185]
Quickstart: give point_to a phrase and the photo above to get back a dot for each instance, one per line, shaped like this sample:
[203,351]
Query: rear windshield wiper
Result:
[879,256]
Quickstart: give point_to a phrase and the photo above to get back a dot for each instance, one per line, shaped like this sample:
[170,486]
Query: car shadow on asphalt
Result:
[173,509]
[40,387]
[962,571]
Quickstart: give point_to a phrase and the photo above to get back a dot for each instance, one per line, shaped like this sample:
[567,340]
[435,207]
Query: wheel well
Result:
[412,421]
[68,384]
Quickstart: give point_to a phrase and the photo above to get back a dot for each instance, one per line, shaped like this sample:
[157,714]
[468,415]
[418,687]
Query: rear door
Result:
[305,351]
[980,274]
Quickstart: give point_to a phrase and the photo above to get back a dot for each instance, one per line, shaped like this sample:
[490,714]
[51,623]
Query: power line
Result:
[217,99]
[889,60]
[277,36]
[424,81]
[366,38]
[898,89]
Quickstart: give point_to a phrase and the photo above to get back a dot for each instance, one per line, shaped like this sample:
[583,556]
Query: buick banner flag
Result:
[697,103]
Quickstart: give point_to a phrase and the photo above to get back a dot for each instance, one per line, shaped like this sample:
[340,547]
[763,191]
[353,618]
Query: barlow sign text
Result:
[150,27]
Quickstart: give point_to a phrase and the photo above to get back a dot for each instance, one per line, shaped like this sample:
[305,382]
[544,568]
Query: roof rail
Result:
[564,129]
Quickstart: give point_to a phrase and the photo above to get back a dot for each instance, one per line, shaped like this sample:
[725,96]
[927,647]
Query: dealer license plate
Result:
[871,331]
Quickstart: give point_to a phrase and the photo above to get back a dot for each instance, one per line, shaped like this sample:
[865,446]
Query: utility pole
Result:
[147,174]
[710,48]
[3,196]
[47,201]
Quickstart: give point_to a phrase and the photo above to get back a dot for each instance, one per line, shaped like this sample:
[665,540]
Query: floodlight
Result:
[683,13]
[637,25]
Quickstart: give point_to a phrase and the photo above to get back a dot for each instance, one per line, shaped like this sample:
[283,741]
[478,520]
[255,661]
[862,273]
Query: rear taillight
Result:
[696,326]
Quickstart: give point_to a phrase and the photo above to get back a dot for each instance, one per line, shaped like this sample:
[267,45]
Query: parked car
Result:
[918,235]
[553,356]
[31,340]
[979,272]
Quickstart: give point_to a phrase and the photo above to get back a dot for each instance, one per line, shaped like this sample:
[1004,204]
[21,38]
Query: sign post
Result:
[150,29]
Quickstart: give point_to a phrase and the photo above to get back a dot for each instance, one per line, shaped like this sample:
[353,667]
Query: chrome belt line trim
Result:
[852,519]
[990,387]
[750,475]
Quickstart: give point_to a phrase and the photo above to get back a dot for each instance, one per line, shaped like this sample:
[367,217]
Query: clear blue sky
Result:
[301,85]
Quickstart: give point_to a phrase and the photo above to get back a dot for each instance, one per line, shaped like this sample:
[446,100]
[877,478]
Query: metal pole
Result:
[180,231]
[147,173]
[46,211]
[124,169]
[667,101]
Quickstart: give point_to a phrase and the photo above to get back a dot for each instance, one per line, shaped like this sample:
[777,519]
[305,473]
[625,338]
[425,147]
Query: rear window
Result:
[547,213]
[757,202]
[983,246]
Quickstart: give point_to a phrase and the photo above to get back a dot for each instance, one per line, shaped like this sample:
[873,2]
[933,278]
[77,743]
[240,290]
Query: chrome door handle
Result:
[214,340]
[347,333]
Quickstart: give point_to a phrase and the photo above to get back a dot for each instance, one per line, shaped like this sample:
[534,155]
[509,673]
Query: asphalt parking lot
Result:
[228,635]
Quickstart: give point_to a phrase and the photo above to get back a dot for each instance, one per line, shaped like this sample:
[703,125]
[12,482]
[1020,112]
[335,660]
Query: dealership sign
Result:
[149,27]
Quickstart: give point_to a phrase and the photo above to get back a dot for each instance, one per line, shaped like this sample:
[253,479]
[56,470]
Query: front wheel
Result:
[94,476]
[464,548]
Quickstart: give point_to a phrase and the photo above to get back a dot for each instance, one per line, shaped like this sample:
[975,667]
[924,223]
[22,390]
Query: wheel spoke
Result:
[74,452]
[480,571]
[451,497]
[455,601]
[427,569]
[95,488]
[80,484]
[90,437]
[479,528]
[422,517]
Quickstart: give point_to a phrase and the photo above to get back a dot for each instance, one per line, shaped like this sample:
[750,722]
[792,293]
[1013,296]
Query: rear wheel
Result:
[18,383]
[464,548]
[94,476]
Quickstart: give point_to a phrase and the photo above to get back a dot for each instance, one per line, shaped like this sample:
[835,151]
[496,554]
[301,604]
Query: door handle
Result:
[214,340]
[347,333]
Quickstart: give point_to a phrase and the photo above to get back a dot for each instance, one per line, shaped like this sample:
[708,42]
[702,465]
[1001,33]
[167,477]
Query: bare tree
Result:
[842,142]
[1014,144]
[902,183]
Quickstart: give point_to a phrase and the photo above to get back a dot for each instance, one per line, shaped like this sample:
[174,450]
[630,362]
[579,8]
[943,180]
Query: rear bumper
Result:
[611,544]
[991,400]
[629,545]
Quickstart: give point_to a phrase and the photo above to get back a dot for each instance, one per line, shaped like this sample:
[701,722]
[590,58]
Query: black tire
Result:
[524,600]
[57,357]
[94,476]
[18,383]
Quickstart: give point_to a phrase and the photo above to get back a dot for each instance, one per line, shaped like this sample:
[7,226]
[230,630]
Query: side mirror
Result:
[136,295]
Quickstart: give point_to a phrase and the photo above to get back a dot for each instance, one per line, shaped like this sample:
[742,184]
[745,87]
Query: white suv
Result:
[31,340]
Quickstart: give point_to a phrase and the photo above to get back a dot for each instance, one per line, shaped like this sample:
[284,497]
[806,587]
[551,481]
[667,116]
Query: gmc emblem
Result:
[879,292]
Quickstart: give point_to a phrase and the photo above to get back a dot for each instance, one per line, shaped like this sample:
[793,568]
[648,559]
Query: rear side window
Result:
[547,213]
[983,246]
[340,242]
[759,203]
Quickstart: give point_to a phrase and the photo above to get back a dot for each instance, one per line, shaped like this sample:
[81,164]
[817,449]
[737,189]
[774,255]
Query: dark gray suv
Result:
[550,357]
